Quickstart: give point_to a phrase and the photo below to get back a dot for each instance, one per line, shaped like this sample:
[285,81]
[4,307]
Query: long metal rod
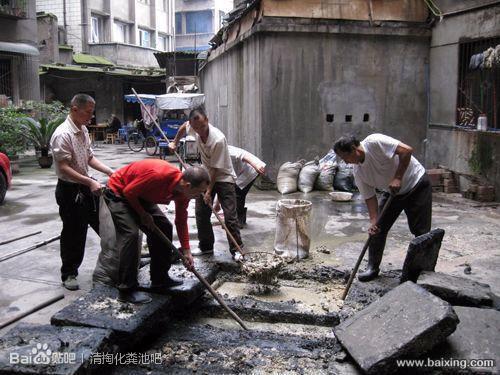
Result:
[31,310]
[219,299]
[362,255]
[19,238]
[32,247]
[184,165]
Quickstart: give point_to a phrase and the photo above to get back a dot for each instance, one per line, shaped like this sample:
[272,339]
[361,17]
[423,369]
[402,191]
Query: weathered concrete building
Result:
[126,32]
[18,51]
[288,77]
[197,21]
[467,28]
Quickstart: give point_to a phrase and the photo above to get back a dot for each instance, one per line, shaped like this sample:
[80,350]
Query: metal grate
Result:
[14,8]
[479,89]
[5,78]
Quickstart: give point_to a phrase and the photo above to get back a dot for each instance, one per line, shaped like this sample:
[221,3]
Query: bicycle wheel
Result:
[135,142]
[151,145]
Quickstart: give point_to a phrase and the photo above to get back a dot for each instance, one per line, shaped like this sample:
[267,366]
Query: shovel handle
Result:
[212,291]
[362,255]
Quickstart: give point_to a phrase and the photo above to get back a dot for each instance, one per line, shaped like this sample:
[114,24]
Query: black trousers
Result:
[241,195]
[127,224]
[78,209]
[417,204]
[227,198]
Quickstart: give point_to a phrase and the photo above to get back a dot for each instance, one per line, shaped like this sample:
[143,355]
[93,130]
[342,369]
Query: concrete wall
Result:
[125,54]
[447,145]
[281,85]
[48,43]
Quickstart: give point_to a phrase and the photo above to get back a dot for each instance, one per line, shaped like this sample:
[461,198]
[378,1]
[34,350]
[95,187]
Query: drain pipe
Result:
[425,142]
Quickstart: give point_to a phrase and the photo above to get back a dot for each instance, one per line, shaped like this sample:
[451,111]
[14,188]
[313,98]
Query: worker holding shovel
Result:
[214,152]
[384,163]
[132,196]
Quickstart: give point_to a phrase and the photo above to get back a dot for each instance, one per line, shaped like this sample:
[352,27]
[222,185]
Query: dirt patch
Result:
[119,310]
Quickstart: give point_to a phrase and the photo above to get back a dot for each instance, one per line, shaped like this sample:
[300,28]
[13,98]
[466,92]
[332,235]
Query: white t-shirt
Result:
[214,153]
[380,165]
[245,173]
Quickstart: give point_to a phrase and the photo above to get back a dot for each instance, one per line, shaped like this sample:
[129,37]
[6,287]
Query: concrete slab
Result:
[45,349]
[422,255]
[456,290]
[406,322]
[189,347]
[99,308]
[292,303]
[476,338]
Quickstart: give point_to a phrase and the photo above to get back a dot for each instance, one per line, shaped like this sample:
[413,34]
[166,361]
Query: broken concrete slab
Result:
[476,338]
[100,308]
[422,255]
[194,347]
[456,290]
[406,322]
[192,288]
[45,349]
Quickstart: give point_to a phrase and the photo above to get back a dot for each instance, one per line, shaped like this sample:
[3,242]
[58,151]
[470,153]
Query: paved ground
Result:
[471,237]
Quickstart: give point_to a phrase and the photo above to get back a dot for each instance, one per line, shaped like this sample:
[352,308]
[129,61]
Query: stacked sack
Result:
[320,174]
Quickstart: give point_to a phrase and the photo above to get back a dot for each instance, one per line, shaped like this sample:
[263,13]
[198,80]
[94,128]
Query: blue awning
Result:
[147,99]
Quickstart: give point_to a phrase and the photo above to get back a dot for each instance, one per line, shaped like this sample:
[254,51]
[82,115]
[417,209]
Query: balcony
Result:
[17,9]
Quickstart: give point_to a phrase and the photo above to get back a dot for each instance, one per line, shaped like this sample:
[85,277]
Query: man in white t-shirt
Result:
[214,153]
[247,168]
[384,163]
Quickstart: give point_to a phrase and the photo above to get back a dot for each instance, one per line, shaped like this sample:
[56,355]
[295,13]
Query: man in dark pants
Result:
[133,195]
[246,167]
[76,192]
[384,163]
[213,148]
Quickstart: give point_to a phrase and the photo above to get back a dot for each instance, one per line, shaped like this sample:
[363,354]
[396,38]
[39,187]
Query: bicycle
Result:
[137,142]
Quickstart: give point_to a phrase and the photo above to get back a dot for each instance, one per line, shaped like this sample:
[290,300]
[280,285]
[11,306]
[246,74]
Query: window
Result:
[199,22]
[120,32]
[5,78]
[95,29]
[161,43]
[178,23]
[478,88]
[145,38]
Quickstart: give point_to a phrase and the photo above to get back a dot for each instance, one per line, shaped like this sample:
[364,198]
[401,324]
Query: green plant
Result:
[39,132]
[11,142]
[481,159]
[40,110]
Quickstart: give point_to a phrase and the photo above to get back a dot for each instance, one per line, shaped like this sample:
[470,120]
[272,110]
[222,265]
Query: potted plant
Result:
[39,133]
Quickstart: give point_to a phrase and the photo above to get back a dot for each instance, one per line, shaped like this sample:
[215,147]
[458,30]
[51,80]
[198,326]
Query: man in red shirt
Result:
[132,195]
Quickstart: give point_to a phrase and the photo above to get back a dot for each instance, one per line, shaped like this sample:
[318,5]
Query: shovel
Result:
[362,255]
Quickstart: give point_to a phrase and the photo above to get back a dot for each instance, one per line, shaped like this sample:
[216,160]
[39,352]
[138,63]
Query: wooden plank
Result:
[328,9]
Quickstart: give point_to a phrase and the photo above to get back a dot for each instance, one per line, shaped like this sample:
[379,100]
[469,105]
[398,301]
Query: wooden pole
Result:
[19,238]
